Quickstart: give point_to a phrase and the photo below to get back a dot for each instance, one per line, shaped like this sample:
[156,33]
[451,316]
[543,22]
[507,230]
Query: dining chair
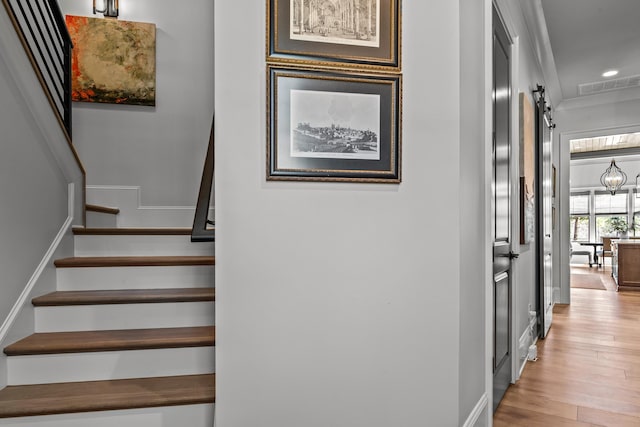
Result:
[606,250]
[576,249]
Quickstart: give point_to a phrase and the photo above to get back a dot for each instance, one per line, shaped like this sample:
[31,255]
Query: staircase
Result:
[126,340]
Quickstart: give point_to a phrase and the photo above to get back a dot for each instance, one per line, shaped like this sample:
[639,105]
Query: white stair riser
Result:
[185,415]
[110,365]
[124,316]
[105,278]
[101,220]
[96,245]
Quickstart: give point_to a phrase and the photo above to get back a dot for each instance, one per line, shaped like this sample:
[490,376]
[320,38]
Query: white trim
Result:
[565,137]
[24,296]
[541,46]
[488,255]
[612,97]
[134,214]
[71,191]
[564,294]
[477,411]
[514,168]
[526,339]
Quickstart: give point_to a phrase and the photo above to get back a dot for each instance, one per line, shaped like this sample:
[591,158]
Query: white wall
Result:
[586,173]
[161,148]
[327,321]
[33,193]
[475,156]
[36,166]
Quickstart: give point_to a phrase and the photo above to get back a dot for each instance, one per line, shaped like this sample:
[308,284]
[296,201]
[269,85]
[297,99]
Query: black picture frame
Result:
[331,39]
[333,125]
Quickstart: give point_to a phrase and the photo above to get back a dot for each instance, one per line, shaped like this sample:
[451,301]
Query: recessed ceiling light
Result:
[610,73]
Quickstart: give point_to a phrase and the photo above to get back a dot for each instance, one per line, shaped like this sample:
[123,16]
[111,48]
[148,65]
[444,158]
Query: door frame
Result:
[563,294]
[503,13]
[543,123]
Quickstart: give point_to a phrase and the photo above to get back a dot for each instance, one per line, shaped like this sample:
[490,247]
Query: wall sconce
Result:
[109,8]
[613,178]
[638,186]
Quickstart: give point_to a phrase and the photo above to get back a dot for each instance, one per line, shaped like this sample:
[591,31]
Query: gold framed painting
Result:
[113,61]
[330,33]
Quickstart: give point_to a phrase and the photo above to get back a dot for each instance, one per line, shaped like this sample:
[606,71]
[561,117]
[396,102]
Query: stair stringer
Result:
[185,415]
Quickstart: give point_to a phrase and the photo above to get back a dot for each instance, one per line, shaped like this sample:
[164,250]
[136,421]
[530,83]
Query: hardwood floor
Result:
[588,368]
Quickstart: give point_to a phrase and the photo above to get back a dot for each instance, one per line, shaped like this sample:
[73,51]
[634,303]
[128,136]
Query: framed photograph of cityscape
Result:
[344,33]
[333,125]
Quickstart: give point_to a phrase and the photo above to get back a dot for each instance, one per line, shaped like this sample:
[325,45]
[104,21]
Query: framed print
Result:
[345,33]
[333,125]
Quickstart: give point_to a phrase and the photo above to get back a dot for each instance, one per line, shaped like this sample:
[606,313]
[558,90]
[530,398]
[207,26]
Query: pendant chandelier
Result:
[613,178]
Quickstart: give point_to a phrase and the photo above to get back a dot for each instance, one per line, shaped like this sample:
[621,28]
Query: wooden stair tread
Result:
[112,340]
[124,296]
[95,231]
[49,399]
[133,261]
[102,209]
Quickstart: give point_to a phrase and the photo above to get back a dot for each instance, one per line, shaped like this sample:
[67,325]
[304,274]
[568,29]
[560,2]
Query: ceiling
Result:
[589,37]
[605,143]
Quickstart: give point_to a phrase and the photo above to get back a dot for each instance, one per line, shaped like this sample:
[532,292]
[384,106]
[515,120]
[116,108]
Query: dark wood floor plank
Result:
[47,399]
[133,261]
[113,340]
[125,296]
[589,363]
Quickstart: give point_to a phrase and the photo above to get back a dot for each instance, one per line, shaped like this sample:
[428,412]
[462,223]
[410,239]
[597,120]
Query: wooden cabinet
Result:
[626,263]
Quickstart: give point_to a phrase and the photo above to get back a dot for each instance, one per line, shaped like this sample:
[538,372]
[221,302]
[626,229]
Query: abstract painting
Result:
[113,61]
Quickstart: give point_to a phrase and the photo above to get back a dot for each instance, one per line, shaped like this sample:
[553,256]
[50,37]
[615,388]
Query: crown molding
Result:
[541,45]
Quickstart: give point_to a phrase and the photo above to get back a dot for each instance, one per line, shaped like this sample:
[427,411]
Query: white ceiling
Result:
[588,37]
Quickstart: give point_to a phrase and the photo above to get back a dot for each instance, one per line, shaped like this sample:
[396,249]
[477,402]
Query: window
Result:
[579,226]
[611,213]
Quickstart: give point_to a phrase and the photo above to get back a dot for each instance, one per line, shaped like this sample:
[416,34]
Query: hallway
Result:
[588,368]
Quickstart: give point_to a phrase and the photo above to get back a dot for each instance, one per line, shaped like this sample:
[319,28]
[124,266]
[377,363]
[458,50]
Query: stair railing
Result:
[42,30]
[203,230]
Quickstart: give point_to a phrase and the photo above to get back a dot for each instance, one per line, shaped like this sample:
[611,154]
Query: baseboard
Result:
[134,214]
[526,340]
[473,417]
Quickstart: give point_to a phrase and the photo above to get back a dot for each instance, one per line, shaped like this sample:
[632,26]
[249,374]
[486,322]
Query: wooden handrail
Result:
[202,230]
